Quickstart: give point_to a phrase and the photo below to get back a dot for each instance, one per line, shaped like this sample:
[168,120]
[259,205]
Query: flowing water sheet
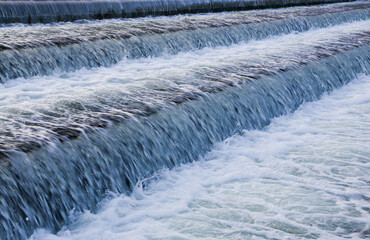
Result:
[306,175]
[92,108]
[43,11]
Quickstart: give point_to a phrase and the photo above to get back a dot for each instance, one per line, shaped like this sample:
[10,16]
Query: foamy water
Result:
[306,175]
[126,129]
[47,107]
[176,71]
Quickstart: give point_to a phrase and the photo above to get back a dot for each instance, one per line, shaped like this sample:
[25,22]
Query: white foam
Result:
[177,71]
[304,175]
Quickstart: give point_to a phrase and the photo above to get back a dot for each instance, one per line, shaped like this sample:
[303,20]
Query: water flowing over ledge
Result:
[41,110]
[74,174]
[41,50]
[52,11]
[304,176]
[95,106]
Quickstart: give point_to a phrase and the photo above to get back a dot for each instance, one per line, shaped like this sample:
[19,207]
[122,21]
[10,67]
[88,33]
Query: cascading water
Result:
[72,47]
[52,11]
[95,107]
[302,177]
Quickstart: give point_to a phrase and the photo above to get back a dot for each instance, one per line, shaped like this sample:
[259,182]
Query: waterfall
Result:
[52,11]
[34,54]
[96,107]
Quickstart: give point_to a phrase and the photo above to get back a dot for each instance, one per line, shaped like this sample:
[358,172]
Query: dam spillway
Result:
[56,11]
[99,106]
[106,43]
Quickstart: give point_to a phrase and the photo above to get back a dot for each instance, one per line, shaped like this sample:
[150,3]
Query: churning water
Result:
[306,175]
[116,128]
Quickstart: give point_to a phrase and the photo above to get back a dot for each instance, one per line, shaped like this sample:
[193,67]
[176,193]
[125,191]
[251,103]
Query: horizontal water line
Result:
[23,36]
[55,11]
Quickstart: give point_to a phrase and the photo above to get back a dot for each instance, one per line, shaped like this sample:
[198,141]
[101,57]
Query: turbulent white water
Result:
[306,175]
[93,107]
[174,71]
[49,102]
